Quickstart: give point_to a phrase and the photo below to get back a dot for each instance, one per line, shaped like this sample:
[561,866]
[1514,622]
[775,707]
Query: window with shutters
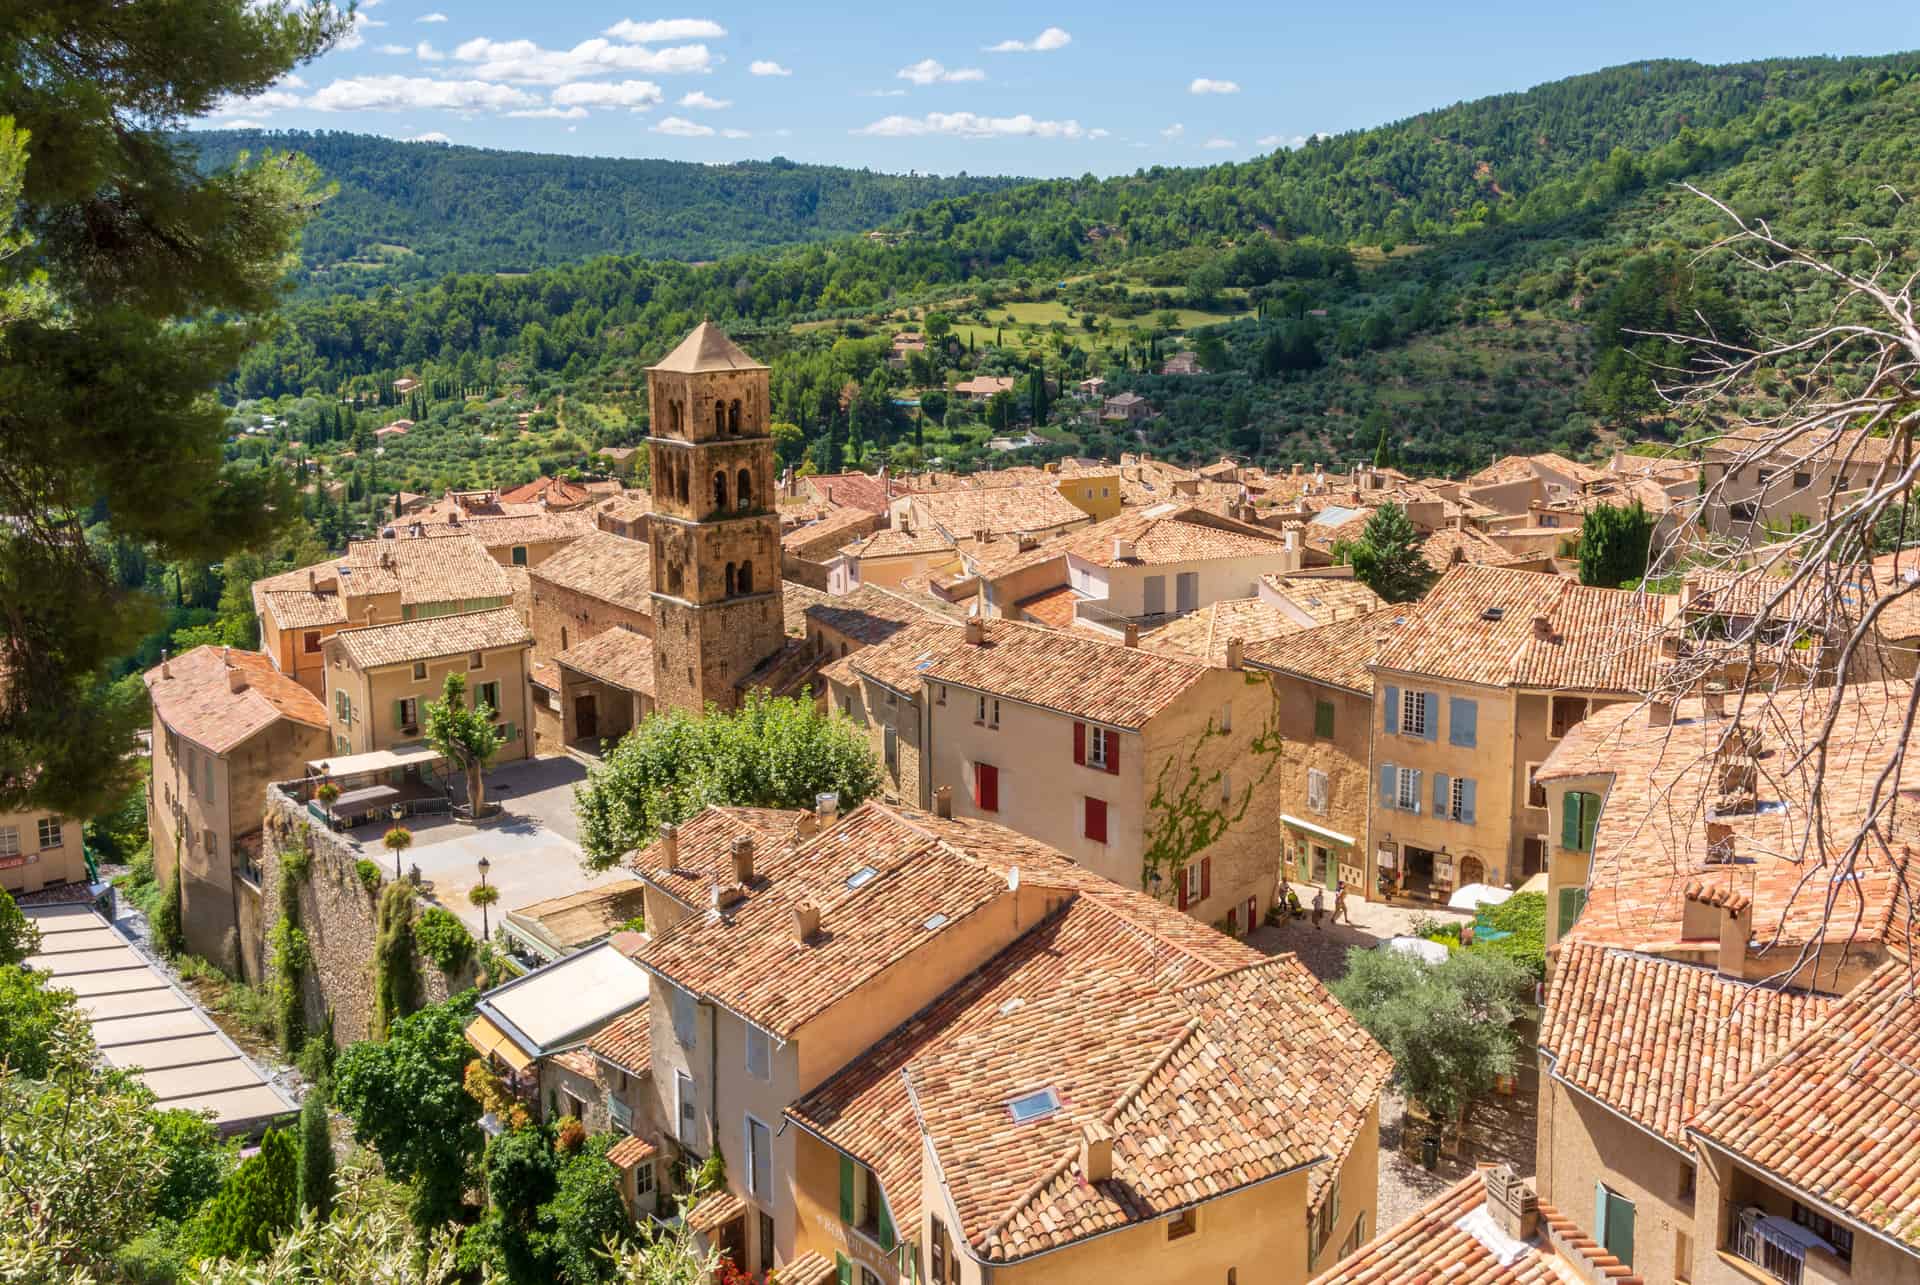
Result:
[861,1205]
[1097,738]
[1322,1222]
[943,1263]
[1579,816]
[1196,881]
[1407,793]
[1413,713]
[1316,790]
[1096,826]
[759,1053]
[759,1159]
[1613,1223]
[1572,902]
[1463,722]
[643,1178]
[1567,711]
[987,711]
[685,1012]
[1536,792]
[1323,720]
[686,1110]
[409,712]
[1454,798]
[487,694]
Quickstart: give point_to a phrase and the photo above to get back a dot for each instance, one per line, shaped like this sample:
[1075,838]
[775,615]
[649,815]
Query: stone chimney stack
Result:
[1719,843]
[1543,628]
[1713,700]
[1130,634]
[1511,1204]
[1122,550]
[1096,1152]
[313,580]
[1659,713]
[1236,653]
[943,803]
[806,922]
[976,634]
[826,806]
[743,859]
[166,665]
[670,845]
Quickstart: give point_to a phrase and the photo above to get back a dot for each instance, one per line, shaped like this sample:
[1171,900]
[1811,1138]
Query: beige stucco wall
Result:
[1489,764]
[874,708]
[1780,499]
[1124,586]
[41,867]
[374,694]
[1725,1186]
[1343,758]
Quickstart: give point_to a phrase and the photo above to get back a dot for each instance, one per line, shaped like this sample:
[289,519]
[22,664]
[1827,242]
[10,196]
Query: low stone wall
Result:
[337,915]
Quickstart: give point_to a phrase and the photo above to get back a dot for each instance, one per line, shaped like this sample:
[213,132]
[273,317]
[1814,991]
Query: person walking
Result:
[1319,905]
[1340,903]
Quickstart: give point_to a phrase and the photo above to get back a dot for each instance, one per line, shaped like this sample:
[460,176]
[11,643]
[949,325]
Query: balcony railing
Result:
[1775,1245]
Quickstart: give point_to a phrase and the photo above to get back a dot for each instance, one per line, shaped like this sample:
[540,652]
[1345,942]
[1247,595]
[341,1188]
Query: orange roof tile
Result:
[868,615]
[706,348]
[630,1151]
[1050,607]
[626,1042]
[1324,598]
[1105,682]
[617,657]
[864,491]
[193,695]
[602,565]
[1337,655]
[432,638]
[999,510]
[1203,635]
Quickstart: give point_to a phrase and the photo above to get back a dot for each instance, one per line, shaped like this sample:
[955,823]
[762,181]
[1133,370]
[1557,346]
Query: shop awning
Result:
[1320,830]
[372,761]
[490,1039]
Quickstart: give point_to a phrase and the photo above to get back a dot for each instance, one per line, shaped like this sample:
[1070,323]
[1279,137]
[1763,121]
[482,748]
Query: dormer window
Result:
[1034,1106]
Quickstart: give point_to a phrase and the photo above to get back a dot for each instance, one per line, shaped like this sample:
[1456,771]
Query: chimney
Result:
[743,859]
[1130,634]
[1297,466]
[943,803]
[1713,700]
[1719,843]
[806,921]
[236,678]
[1290,539]
[976,634]
[807,826]
[826,806]
[1543,628]
[1096,1152]
[1236,653]
[1659,713]
[1122,550]
[670,845]
[313,580]
[166,665]
[1511,1204]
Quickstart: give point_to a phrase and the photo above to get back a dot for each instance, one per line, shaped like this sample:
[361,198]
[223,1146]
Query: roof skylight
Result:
[1034,1106]
[936,921]
[861,877]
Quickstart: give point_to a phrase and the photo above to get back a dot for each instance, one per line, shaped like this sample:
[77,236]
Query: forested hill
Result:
[417,211]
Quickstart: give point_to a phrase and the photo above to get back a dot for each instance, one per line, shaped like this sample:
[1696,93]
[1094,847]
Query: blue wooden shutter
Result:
[1440,794]
[1388,798]
[1466,800]
[1391,712]
[1463,722]
[1433,714]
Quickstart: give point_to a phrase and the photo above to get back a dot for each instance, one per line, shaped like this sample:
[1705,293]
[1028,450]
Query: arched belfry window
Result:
[719,416]
[733,416]
[744,583]
[720,489]
[743,490]
[731,579]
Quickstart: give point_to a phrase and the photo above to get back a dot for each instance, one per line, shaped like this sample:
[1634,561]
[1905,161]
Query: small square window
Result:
[51,834]
[1183,1224]
[861,878]
[419,671]
[475,660]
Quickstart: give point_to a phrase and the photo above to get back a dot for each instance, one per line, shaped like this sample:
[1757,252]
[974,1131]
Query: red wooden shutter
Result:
[1206,877]
[1182,876]
[1080,743]
[1097,820]
[1113,752]
[986,782]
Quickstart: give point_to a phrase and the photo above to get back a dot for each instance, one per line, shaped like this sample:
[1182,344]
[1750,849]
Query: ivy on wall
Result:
[1189,814]
[288,954]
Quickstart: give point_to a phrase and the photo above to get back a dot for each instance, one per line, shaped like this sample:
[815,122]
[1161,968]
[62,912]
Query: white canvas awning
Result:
[372,761]
[1320,830]
[1477,894]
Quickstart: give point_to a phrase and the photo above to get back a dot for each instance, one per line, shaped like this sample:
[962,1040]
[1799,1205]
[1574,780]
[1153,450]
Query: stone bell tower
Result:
[714,530]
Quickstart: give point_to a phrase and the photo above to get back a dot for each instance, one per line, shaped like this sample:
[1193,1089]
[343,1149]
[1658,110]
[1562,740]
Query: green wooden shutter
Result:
[843,1269]
[1589,820]
[886,1229]
[846,1190]
[1570,820]
[399,713]
[1572,901]
[1323,720]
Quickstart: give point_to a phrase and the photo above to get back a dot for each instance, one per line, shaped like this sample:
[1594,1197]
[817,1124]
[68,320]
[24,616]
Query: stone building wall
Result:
[337,915]
[563,618]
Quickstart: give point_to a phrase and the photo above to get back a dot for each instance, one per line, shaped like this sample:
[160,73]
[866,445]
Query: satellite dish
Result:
[1013,879]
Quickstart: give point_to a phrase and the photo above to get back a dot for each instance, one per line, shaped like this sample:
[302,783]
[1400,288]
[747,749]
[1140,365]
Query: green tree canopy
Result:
[464,733]
[1387,557]
[257,1202]
[106,399]
[31,1011]
[18,936]
[770,753]
[1615,543]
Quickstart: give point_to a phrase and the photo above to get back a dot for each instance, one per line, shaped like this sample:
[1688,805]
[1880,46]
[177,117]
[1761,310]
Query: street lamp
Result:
[485,865]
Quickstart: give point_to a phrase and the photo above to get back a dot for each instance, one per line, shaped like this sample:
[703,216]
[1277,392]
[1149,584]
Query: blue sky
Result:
[1055,88]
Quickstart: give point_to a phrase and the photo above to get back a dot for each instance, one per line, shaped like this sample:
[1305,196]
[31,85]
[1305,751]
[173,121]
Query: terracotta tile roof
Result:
[1105,682]
[1833,1115]
[1516,468]
[893,542]
[1203,635]
[1337,655]
[370,648]
[626,1042]
[500,532]
[1207,1079]
[715,1210]
[630,1151]
[1449,547]
[747,958]
[580,919]
[795,599]
[1161,533]
[1656,1040]
[1600,639]
[818,541]
[1000,510]
[868,615]
[1324,598]
[863,491]
[1050,607]
[618,657]
[1651,843]
[446,571]
[193,696]
[706,348]
[985,385]
[633,506]
[576,1060]
[301,608]
[706,847]
[902,659]
[1447,1240]
[811,1268]
[1822,445]
[612,568]
[555,492]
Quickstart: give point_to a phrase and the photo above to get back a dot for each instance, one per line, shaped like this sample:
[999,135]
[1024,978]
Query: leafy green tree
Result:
[1615,543]
[464,734]
[31,1011]
[520,1178]
[586,1213]
[18,936]
[257,1202]
[1448,1027]
[771,752]
[105,398]
[194,1162]
[316,1156]
[363,1240]
[168,923]
[1387,557]
[407,1101]
[394,982]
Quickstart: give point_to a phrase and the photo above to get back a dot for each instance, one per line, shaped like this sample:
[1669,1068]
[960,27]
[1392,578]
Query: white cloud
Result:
[431,136]
[1098,133]
[648,33]
[292,81]
[637,94]
[929,71]
[768,67]
[735,133]
[680,127]
[431,17]
[409,93]
[396,50]
[1207,85]
[239,122]
[1288,141]
[1219,144]
[883,93]
[427,53]
[524,62]
[971,125]
[1047,41]
[1173,131]
[701,98]
[552,113]
[260,106]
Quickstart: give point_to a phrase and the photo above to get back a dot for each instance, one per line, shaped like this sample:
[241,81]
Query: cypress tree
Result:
[316,1156]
